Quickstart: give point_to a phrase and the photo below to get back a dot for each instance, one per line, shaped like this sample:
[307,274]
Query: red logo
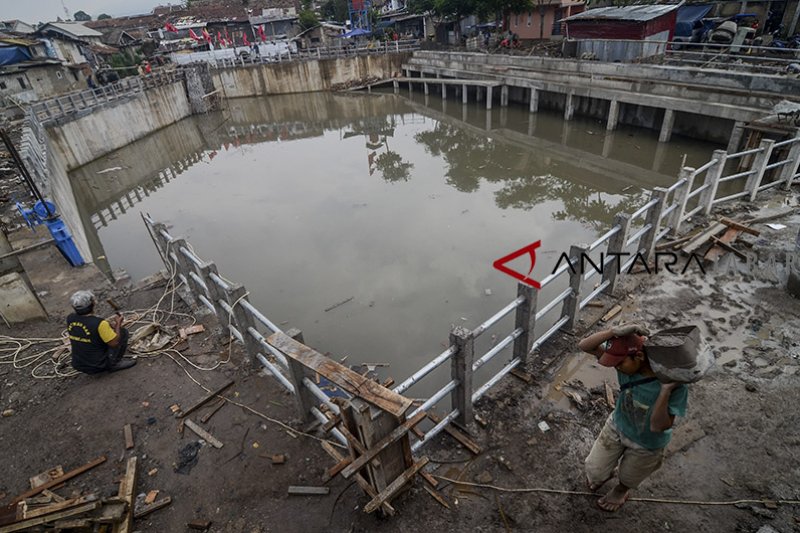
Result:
[500,264]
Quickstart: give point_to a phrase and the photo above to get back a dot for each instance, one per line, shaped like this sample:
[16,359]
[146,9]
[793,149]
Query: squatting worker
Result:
[97,346]
[638,430]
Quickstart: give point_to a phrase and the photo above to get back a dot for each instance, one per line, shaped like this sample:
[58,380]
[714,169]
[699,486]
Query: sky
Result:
[33,11]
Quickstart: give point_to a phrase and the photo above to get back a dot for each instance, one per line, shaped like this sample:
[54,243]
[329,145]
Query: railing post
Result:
[161,243]
[616,245]
[461,371]
[790,169]
[303,399]
[686,173]
[235,293]
[711,182]
[525,319]
[572,303]
[215,292]
[760,166]
[654,215]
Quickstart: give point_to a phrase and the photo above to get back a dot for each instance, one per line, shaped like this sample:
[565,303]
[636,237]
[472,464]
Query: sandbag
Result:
[679,354]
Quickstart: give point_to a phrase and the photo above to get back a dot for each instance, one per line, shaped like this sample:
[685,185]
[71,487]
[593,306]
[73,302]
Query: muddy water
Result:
[396,205]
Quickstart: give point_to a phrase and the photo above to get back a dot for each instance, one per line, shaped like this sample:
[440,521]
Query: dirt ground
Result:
[738,442]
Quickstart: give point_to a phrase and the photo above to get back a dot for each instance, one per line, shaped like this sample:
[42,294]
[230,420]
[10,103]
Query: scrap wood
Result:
[308,491]
[151,496]
[144,510]
[595,304]
[429,478]
[335,469]
[210,396]
[56,507]
[614,311]
[395,486]
[59,480]
[203,434]
[728,247]
[127,491]
[739,226]
[48,475]
[52,495]
[437,496]
[200,525]
[768,218]
[206,417]
[521,374]
[395,435]
[278,459]
[363,483]
[128,431]
[703,237]
[457,434]
[718,250]
[66,513]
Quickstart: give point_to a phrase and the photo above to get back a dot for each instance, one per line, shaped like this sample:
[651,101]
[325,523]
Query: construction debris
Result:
[614,311]
[191,330]
[199,525]
[210,396]
[309,491]
[128,431]
[203,434]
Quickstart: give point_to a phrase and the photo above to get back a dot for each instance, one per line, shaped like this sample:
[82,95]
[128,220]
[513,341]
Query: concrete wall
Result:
[306,76]
[116,124]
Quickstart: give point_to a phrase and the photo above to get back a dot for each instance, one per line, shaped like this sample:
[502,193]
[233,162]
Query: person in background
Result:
[637,432]
[97,346]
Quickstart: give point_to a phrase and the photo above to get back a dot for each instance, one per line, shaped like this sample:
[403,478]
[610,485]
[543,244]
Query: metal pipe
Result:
[663,234]
[320,394]
[676,185]
[199,280]
[697,191]
[644,208]
[435,430]
[638,234]
[610,233]
[497,317]
[320,416]
[207,303]
[788,141]
[425,370]
[779,163]
[224,285]
[275,372]
[554,302]
[739,175]
[496,349]
[271,349]
[629,262]
[742,154]
[594,293]
[259,316]
[555,327]
[693,212]
[705,167]
[436,398]
[667,211]
[731,197]
[511,365]
[556,273]
[191,256]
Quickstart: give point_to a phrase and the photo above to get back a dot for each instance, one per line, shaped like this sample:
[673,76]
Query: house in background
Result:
[70,42]
[621,33]
[27,74]
[544,20]
[16,26]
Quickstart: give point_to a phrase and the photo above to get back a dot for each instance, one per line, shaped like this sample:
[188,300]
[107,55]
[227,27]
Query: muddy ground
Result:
[738,441]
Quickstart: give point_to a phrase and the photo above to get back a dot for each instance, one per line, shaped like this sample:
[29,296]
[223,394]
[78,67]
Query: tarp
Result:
[10,55]
[687,16]
[356,33]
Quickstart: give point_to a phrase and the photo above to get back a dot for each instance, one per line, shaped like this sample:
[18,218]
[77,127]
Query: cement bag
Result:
[679,354]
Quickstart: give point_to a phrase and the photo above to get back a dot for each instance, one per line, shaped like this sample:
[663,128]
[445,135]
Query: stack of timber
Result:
[42,509]
[715,240]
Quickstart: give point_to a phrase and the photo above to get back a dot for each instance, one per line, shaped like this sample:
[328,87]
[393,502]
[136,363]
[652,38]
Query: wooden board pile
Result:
[42,509]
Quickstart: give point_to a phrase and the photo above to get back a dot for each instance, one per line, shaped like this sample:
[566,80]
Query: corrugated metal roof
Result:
[636,13]
[75,29]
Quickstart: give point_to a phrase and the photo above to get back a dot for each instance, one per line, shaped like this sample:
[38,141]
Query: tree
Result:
[103,16]
[335,10]
[307,19]
[393,167]
[82,16]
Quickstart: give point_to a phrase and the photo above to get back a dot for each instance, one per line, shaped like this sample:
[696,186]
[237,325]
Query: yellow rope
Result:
[594,494]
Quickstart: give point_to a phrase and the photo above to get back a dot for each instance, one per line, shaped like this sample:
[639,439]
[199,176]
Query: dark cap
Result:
[619,348]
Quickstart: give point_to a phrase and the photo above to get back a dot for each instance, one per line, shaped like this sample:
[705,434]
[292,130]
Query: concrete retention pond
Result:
[393,206]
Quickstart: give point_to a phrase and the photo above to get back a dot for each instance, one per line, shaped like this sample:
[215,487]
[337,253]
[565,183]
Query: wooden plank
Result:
[308,491]
[741,227]
[208,397]
[438,497]
[203,434]
[127,492]
[521,374]
[56,507]
[348,380]
[335,469]
[199,525]
[704,237]
[614,311]
[151,496]
[384,443]
[26,524]
[728,247]
[44,477]
[145,510]
[465,441]
[59,480]
[128,430]
[715,252]
[54,496]
[365,486]
[206,417]
[429,478]
[395,486]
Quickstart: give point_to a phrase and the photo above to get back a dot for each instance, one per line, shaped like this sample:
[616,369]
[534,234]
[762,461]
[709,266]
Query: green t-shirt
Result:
[634,406]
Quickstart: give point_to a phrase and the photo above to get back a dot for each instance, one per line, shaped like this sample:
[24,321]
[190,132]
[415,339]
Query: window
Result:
[22,83]
[530,16]
[516,19]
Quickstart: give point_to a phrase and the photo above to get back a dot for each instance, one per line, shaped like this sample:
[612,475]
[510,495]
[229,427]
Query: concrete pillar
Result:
[488,119]
[666,126]
[478,94]
[608,143]
[736,137]
[658,158]
[569,107]
[504,96]
[444,91]
[565,132]
[396,85]
[488,97]
[464,94]
[531,124]
[533,105]
[464,113]
[613,116]
[425,87]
